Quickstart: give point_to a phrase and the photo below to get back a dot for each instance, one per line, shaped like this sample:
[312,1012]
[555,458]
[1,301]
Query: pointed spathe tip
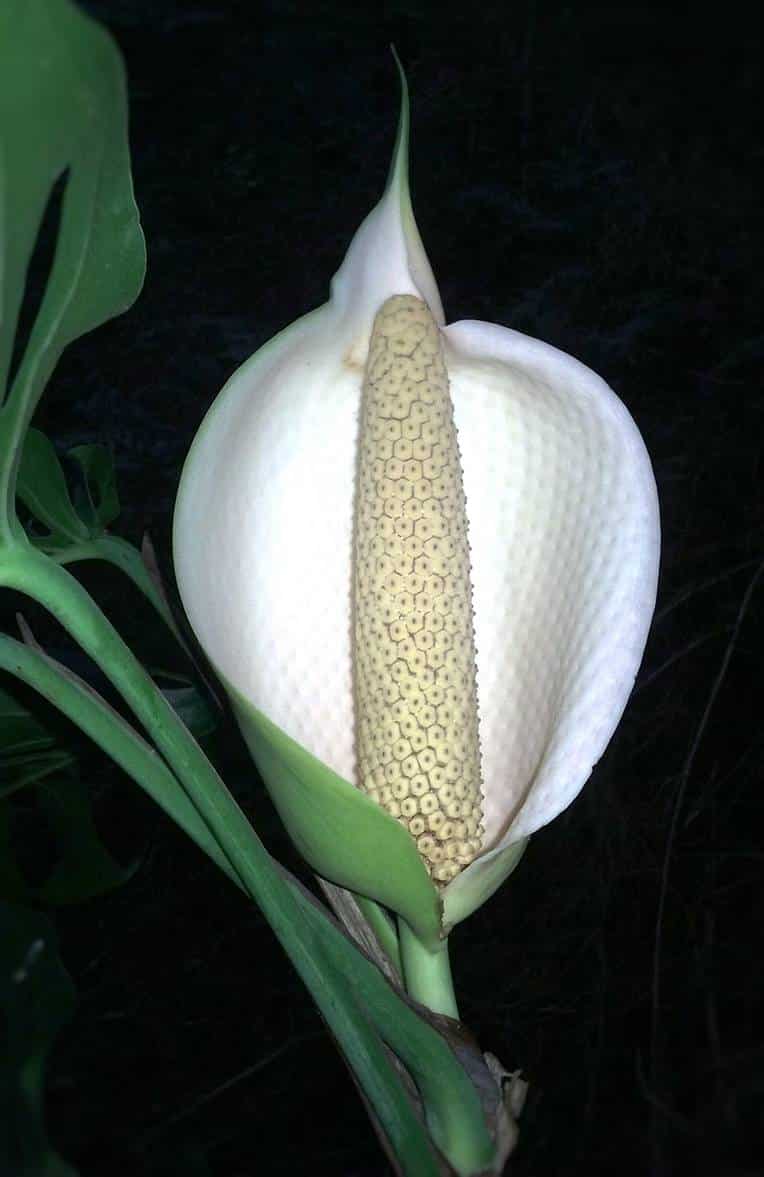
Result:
[399,166]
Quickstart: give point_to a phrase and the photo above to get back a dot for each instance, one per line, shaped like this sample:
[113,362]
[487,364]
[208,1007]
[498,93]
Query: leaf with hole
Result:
[100,484]
[42,489]
[49,49]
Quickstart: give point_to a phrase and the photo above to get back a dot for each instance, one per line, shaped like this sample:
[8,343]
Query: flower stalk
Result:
[427,972]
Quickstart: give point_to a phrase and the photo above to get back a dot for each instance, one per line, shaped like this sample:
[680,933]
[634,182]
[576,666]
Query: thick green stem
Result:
[383,928]
[427,974]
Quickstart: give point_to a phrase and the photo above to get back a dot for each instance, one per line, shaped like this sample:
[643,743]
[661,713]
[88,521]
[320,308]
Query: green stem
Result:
[383,928]
[427,974]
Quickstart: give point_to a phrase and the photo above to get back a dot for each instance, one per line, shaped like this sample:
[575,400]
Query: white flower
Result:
[562,522]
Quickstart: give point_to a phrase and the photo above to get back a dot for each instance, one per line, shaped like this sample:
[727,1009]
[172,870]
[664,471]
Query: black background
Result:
[583,173]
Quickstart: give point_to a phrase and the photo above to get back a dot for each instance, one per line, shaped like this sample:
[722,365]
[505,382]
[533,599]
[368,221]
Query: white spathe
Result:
[563,526]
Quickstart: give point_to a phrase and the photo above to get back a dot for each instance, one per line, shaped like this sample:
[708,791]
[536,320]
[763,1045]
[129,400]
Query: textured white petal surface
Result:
[268,490]
[564,531]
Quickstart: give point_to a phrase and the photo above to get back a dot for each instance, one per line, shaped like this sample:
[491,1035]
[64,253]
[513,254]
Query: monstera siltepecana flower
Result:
[423,560]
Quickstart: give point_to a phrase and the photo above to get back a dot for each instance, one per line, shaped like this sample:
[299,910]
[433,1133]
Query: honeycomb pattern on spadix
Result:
[414,648]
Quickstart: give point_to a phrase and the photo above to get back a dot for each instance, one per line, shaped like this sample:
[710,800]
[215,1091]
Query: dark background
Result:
[582,173]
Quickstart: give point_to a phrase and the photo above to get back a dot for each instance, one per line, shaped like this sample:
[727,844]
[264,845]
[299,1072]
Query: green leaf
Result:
[20,732]
[77,532]
[42,488]
[28,756]
[85,867]
[189,704]
[28,752]
[36,999]
[62,111]
[97,466]
[27,770]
